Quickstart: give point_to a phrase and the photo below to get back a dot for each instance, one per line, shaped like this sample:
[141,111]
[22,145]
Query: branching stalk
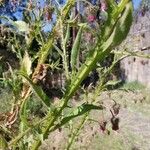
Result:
[76,132]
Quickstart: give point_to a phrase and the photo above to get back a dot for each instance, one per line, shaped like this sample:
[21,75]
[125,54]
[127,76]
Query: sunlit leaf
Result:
[112,83]
[26,64]
[21,26]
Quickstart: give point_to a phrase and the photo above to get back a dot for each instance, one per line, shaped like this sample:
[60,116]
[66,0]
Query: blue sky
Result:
[18,15]
[136,3]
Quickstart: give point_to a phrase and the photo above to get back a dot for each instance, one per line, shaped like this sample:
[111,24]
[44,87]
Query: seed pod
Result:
[102,125]
[116,108]
[48,12]
[115,123]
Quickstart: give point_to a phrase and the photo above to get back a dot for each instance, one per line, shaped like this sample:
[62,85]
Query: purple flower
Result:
[91,18]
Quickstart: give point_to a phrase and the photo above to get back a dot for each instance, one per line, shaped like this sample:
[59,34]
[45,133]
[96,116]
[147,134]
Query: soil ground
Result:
[134,126]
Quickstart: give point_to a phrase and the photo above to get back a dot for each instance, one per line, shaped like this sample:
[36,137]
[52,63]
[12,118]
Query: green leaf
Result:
[112,83]
[45,50]
[23,115]
[80,110]
[103,47]
[111,4]
[58,50]
[38,90]
[26,64]
[114,13]
[75,48]
[21,26]
[123,25]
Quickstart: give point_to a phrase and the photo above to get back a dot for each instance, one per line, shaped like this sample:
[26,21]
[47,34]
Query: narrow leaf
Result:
[123,25]
[38,90]
[21,26]
[23,114]
[58,50]
[75,48]
[112,83]
[84,108]
[26,64]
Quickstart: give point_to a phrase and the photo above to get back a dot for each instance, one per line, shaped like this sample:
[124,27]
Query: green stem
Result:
[45,134]
[65,101]
[44,53]
[132,53]
[86,69]
[16,140]
[65,61]
[76,132]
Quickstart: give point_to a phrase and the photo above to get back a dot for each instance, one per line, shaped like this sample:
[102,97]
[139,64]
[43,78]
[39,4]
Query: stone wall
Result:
[135,68]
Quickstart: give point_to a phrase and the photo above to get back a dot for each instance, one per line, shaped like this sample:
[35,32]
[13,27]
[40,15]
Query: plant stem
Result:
[132,53]
[45,134]
[43,55]
[76,132]
[86,69]
[65,61]
[14,141]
